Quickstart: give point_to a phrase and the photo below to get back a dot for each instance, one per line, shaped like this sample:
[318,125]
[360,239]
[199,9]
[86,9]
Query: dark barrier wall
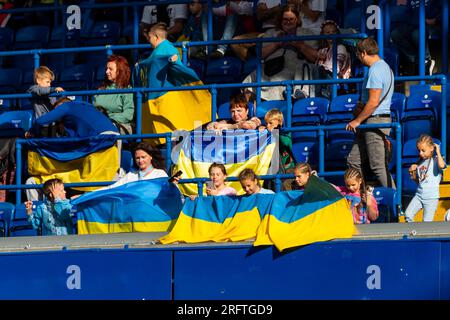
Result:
[359,269]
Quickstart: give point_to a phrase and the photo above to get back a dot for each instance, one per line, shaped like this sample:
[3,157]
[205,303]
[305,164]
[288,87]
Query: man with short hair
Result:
[378,88]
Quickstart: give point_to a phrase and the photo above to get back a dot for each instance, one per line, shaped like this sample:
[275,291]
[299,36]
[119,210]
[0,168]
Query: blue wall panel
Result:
[383,269]
[445,270]
[92,274]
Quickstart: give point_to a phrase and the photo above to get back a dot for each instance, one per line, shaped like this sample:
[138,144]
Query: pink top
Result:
[359,212]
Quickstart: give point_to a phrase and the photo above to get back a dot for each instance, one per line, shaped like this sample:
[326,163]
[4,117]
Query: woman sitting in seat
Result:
[273,69]
[119,107]
[239,116]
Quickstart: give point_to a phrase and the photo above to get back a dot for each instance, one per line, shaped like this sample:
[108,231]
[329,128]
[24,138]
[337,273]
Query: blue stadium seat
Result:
[427,99]
[386,204]
[265,106]
[397,106]
[223,111]
[341,112]
[15,123]
[249,66]
[5,105]
[305,150]
[104,33]
[336,154]
[392,58]
[10,80]
[19,224]
[309,111]
[72,37]
[6,214]
[77,77]
[198,66]
[416,122]
[223,70]
[6,39]
[32,37]
[126,160]
[59,61]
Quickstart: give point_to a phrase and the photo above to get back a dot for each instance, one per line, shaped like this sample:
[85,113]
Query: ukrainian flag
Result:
[141,206]
[171,110]
[236,149]
[219,219]
[82,160]
[296,218]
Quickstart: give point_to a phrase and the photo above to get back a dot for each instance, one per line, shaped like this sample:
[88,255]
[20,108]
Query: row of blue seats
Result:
[41,36]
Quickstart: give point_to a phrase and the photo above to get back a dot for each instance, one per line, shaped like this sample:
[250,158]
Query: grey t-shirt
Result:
[429,175]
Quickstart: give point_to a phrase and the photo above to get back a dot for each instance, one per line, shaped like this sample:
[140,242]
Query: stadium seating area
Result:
[85,71]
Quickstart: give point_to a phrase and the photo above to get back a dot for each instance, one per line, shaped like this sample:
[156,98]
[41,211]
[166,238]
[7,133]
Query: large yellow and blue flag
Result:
[170,110]
[141,206]
[82,160]
[235,149]
[219,219]
[319,213]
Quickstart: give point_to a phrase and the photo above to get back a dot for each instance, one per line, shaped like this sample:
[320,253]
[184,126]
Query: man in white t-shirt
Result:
[174,15]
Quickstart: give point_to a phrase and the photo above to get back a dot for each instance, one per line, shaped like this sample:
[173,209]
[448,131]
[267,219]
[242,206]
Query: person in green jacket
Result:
[118,107]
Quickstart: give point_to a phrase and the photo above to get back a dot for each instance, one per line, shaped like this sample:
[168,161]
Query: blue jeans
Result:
[230,27]
[429,208]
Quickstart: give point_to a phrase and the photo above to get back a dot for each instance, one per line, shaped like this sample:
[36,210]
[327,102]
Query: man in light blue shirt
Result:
[378,88]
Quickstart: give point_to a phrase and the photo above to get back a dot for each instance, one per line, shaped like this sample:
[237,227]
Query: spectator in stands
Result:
[250,183]
[40,100]
[302,173]
[312,13]
[53,216]
[323,59]
[237,15]
[267,13]
[217,186]
[362,202]
[157,37]
[378,88]
[149,161]
[75,120]
[427,173]
[274,120]
[119,107]
[173,15]
[405,35]
[193,30]
[239,116]
[273,69]
[79,119]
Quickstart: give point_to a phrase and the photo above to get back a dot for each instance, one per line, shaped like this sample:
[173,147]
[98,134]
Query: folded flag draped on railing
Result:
[285,219]
[82,160]
[141,206]
[171,110]
[236,149]
[321,213]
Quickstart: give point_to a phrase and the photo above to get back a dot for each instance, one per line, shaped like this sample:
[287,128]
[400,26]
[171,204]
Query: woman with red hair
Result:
[118,107]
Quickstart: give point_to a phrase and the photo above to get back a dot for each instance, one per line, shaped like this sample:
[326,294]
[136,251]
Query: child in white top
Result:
[427,173]
[250,184]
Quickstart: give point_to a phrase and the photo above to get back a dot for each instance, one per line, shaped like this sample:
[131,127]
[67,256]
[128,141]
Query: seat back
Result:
[310,111]
[6,38]
[344,103]
[198,66]
[32,37]
[398,102]
[387,209]
[427,99]
[416,122]
[10,80]
[104,33]
[223,70]
[15,123]
[77,77]
[264,106]
[336,154]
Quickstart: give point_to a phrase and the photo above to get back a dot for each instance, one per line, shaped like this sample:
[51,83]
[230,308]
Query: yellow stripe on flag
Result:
[97,166]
